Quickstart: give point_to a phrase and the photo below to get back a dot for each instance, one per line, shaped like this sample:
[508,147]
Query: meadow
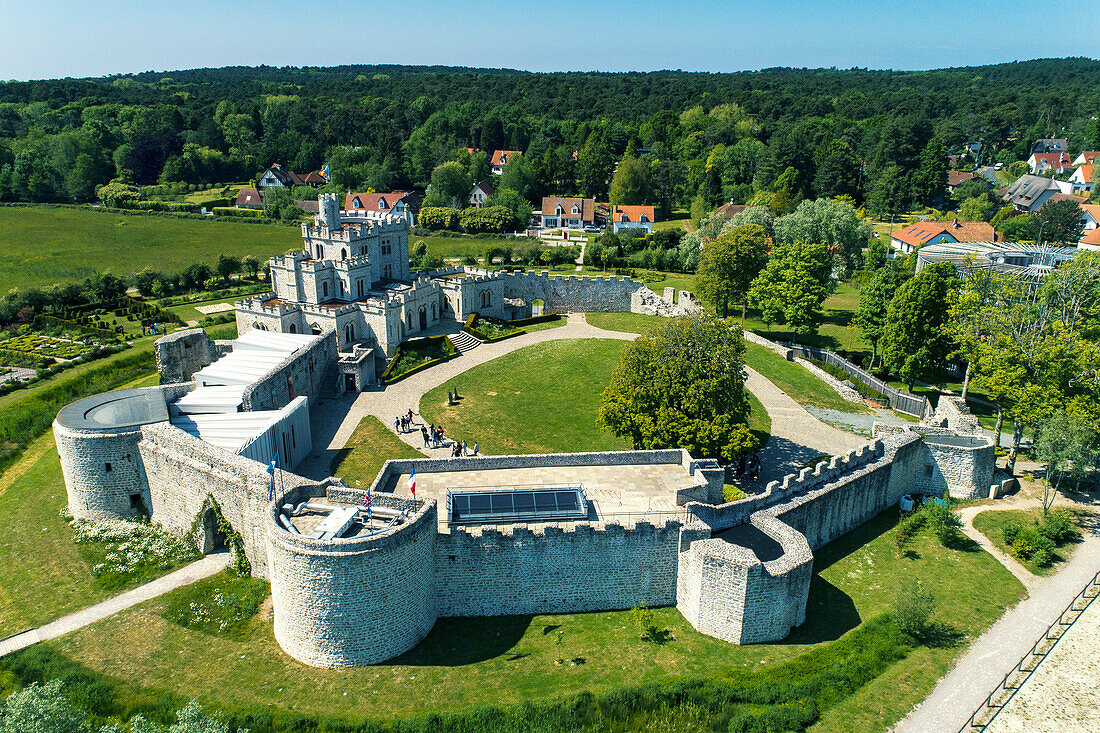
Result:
[46,245]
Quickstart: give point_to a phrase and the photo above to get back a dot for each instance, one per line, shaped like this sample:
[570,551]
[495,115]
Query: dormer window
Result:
[382,203]
[643,218]
[624,218]
[576,209]
[356,203]
[559,211]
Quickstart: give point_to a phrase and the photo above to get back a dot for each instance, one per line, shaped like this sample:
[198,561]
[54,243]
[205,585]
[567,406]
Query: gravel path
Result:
[796,436]
[981,669]
[204,568]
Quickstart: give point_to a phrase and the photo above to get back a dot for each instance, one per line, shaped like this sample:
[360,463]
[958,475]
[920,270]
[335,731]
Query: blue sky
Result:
[54,39]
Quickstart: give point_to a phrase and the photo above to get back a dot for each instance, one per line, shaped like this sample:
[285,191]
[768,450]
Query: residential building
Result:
[500,159]
[1030,192]
[567,213]
[631,217]
[727,211]
[1090,240]
[924,233]
[279,177]
[250,198]
[1090,216]
[392,202]
[1043,163]
[1082,178]
[1050,145]
[1088,157]
[954,178]
[479,194]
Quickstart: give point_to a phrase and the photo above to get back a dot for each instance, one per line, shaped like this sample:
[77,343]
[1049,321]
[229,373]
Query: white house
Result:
[567,213]
[392,202]
[1088,157]
[500,159]
[1030,192]
[279,177]
[479,194]
[1082,178]
[632,217]
[1044,163]
[1090,216]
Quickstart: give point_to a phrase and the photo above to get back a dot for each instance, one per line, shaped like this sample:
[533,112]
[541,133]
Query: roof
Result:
[310,207]
[1064,197]
[314,177]
[1092,236]
[1027,262]
[632,213]
[484,186]
[1051,143]
[962,231]
[551,203]
[254,354]
[500,157]
[1086,172]
[1089,156]
[290,178]
[1054,160]
[109,411]
[1092,209]
[954,178]
[250,197]
[370,201]
[729,210]
[1027,189]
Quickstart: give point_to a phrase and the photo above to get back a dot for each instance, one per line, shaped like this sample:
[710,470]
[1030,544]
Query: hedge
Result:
[41,320]
[520,322]
[11,357]
[468,327]
[449,351]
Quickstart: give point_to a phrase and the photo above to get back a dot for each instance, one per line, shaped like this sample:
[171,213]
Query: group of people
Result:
[748,467]
[459,449]
[433,436]
[404,423]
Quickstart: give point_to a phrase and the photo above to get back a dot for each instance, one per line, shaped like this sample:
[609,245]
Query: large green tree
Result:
[632,184]
[1059,222]
[450,186]
[793,285]
[682,386]
[874,300]
[916,342]
[832,223]
[729,264]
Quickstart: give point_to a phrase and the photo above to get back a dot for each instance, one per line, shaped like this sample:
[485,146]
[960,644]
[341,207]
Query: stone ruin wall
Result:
[573,294]
[181,354]
[353,601]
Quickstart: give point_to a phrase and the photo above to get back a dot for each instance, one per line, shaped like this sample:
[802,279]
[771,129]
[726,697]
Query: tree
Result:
[978,208]
[839,171]
[793,285]
[916,343]
[41,709]
[227,266]
[511,200]
[118,193]
[251,265]
[1059,222]
[450,186]
[438,217]
[729,264]
[1066,443]
[682,386]
[632,183]
[828,222]
[518,176]
[930,177]
[874,300]
[890,194]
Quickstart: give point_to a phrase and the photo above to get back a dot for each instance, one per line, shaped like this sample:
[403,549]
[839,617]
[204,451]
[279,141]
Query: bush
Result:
[1021,547]
[129,551]
[438,217]
[913,607]
[1010,532]
[907,528]
[1059,526]
[943,520]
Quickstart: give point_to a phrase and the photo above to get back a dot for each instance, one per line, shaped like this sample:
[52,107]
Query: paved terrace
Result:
[623,494]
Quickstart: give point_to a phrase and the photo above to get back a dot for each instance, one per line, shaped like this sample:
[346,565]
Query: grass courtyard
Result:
[45,245]
[540,399]
[142,657]
[368,448]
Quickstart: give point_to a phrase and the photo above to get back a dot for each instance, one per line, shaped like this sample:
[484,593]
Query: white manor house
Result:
[352,278]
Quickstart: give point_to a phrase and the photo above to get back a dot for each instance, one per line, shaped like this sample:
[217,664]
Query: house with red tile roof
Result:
[1082,177]
[631,217]
[250,198]
[934,232]
[1088,157]
[500,159]
[1042,163]
[954,178]
[390,202]
[1090,240]
[567,213]
[279,177]
[1090,216]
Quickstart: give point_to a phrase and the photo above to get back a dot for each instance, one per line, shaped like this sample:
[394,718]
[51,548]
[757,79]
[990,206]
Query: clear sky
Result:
[98,37]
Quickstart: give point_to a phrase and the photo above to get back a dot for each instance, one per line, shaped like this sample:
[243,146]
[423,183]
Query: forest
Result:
[690,140]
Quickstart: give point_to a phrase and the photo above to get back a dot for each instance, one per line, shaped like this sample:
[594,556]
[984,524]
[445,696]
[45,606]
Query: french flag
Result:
[412,482]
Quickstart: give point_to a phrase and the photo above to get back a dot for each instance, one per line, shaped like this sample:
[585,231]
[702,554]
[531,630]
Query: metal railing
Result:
[906,402]
[1036,653]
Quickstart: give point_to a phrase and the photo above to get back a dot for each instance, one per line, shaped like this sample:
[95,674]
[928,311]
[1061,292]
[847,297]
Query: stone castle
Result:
[488,535]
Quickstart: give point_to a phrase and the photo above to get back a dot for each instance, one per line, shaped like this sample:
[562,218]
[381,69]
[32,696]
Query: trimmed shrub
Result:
[438,217]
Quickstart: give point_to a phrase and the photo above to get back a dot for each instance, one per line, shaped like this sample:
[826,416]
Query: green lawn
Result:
[838,331]
[992,523]
[672,224]
[49,245]
[457,247]
[540,399]
[625,322]
[370,445]
[510,660]
[188,312]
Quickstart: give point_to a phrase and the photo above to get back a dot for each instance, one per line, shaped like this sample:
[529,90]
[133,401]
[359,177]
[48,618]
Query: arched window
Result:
[292,328]
[349,333]
[435,311]
[486,298]
[315,329]
[343,253]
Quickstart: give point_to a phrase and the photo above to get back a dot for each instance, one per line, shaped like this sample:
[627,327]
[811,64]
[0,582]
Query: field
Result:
[458,247]
[43,245]
[512,659]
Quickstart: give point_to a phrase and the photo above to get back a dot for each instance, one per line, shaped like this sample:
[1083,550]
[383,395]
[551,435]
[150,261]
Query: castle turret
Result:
[329,208]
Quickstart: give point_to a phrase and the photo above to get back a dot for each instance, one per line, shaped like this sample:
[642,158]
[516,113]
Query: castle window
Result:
[324,289]
[387,271]
[486,298]
[359,288]
[343,253]
[136,503]
[315,330]
[293,442]
[292,328]
[928,471]
[107,467]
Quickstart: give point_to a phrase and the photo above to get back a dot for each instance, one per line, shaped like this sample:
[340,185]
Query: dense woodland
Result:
[772,137]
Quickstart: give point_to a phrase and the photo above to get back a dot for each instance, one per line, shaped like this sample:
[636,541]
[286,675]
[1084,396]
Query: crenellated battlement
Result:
[837,467]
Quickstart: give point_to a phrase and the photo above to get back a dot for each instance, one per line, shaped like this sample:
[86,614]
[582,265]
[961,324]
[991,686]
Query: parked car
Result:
[591,229]
[998,166]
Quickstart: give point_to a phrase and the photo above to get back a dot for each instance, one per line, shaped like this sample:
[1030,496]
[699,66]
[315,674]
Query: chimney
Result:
[956,223]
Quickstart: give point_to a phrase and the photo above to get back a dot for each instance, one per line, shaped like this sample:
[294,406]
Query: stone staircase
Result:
[330,383]
[464,342]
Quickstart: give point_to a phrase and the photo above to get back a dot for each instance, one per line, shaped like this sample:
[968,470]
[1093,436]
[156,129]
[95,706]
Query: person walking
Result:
[463,451]
[424,434]
[477,448]
[397,425]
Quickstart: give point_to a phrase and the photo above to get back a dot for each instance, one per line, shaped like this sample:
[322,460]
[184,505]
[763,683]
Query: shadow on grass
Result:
[940,635]
[454,642]
[830,613]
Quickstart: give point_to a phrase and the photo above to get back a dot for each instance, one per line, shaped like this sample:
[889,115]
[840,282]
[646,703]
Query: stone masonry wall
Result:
[299,374]
[353,601]
[575,294]
[181,354]
[184,471]
[494,571]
